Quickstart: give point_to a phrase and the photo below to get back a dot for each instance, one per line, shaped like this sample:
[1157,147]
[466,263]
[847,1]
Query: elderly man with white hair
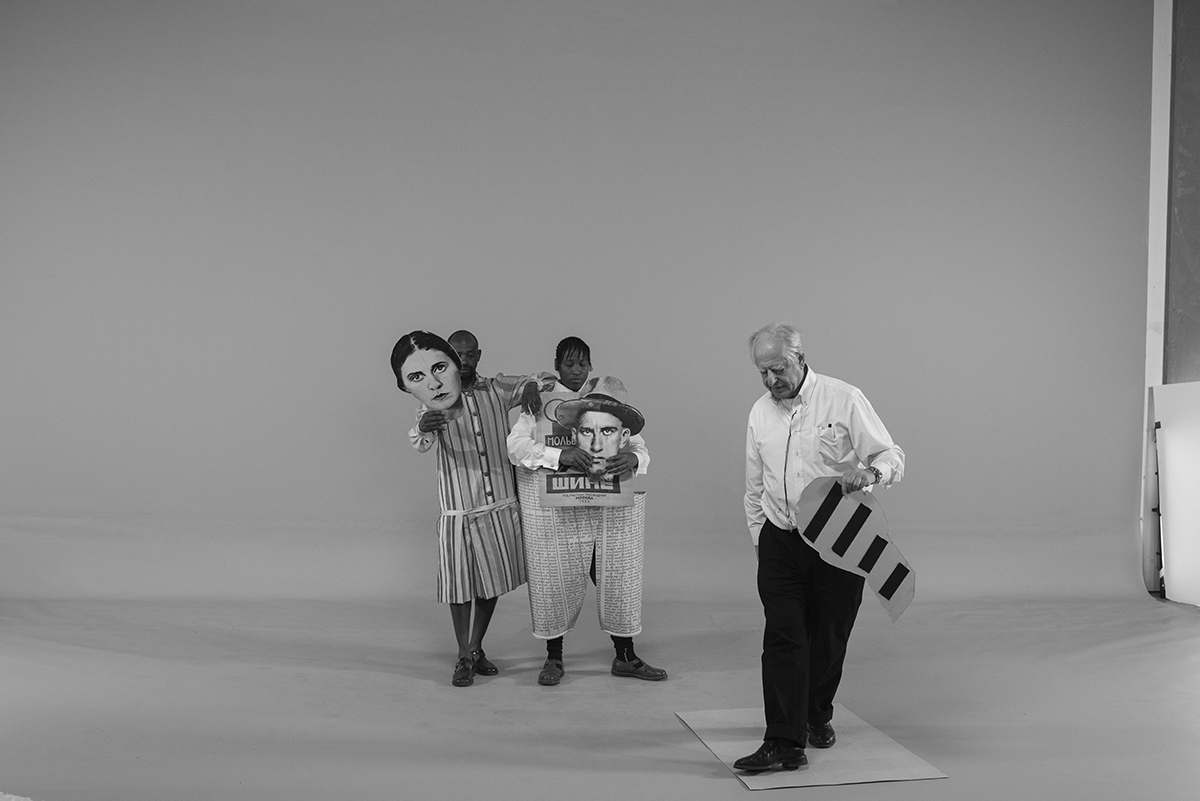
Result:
[806,426]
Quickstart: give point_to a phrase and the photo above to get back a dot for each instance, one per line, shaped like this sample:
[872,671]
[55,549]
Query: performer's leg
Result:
[624,648]
[484,607]
[464,668]
[627,664]
[461,615]
[574,546]
[455,579]
[834,599]
[782,590]
[554,648]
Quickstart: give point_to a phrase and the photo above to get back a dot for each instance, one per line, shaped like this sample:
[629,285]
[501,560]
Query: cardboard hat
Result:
[606,394]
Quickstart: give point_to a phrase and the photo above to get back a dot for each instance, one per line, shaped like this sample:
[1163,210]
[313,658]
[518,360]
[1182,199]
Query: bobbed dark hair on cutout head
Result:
[571,345]
[419,340]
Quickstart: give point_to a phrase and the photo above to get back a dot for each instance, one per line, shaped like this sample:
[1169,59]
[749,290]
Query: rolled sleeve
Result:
[419,439]
[637,446]
[873,444]
[525,451]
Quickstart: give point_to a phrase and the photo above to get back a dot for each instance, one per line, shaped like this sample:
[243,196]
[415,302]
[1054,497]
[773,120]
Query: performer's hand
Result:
[854,480]
[575,458]
[531,401]
[432,420]
[620,464]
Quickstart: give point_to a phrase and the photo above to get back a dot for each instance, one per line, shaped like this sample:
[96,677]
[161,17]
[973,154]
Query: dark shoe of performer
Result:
[552,673]
[628,665]
[483,665]
[773,754]
[637,669]
[821,736]
[464,672]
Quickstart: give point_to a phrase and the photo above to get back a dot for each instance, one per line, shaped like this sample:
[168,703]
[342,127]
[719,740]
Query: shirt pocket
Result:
[833,443]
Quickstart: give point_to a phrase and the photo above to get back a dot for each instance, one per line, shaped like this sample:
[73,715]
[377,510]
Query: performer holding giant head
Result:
[465,415]
[575,461]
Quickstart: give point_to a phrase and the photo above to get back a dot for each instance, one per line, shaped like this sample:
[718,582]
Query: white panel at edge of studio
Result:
[1177,412]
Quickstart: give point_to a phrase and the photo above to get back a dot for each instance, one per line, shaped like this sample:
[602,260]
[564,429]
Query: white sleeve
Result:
[755,517]
[525,451]
[637,446]
[419,439]
[873,444]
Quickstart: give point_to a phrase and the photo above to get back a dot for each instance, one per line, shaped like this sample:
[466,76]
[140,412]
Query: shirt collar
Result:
[803,397]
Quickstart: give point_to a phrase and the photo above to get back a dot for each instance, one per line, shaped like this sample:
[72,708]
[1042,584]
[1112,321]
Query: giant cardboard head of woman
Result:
[427,368]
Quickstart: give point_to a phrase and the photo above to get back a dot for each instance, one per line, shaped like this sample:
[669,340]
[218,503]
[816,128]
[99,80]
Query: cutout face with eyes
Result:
[433,379]
[602,435]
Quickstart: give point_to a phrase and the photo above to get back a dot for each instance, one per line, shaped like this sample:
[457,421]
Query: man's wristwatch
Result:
[878,475]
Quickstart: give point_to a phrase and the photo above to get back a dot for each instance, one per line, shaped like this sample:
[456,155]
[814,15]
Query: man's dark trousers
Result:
[810,607]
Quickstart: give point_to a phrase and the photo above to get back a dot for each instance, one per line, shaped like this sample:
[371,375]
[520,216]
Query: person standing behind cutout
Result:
[480,553]
[561,542]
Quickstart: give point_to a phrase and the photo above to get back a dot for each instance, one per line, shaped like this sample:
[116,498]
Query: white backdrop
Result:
[216,218]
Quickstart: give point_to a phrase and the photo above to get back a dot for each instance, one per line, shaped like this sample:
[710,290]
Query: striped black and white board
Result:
[851,532]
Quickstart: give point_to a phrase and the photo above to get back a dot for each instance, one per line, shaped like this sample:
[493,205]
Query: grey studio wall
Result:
[217,217]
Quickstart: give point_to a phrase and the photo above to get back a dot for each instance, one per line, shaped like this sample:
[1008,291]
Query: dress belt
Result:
[479,510]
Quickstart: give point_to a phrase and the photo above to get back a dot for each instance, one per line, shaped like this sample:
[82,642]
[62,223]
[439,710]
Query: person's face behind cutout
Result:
[468,355]
[602,435]
[573,370]
[433,379]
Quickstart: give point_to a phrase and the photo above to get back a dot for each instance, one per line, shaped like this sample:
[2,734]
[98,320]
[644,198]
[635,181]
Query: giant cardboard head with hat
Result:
[601,419]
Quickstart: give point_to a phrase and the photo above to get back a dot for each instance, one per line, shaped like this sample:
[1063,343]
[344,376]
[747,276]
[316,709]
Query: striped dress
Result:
[479,531]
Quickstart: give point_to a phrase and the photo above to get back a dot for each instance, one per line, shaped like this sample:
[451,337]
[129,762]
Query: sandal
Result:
[483,665]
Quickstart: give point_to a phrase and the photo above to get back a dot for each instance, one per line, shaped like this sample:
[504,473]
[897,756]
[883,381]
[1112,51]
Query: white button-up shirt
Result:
[828,429]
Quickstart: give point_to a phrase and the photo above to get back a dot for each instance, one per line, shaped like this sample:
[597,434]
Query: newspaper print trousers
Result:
[559,544]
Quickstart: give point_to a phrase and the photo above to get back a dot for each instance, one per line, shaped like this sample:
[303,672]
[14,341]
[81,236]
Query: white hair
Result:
[783,333]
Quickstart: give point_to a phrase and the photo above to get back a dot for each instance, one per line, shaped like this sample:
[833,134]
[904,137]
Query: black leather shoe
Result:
[773,755]
[483,665]
[821,736]
[552,673]
[464,672]
[637,669]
